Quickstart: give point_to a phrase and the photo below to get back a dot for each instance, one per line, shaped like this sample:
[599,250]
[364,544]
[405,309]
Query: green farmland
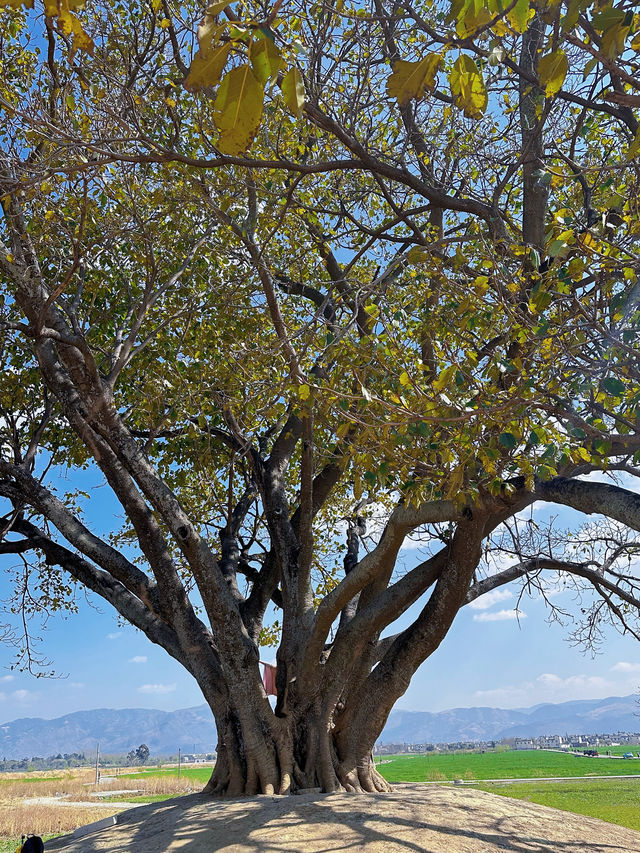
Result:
[614,800]
[199,775]
[525,764]
[468,766]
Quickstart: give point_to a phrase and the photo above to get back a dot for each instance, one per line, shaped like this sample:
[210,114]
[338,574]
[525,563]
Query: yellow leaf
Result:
[412,79]
[519,16]
[216,8]
[467,87]
[207,67]
[303,392]
[404,379]
[16,4]
[551,72]
[444,379]
[70,25]
[208,31]
[51,8]
[418,255]
[238,110]
[472,16]
[265,59]
[634,148]
[456,480]
[613,41]
[293,91]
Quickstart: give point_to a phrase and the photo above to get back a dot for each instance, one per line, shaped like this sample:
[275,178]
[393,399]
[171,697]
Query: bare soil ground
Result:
[413,819]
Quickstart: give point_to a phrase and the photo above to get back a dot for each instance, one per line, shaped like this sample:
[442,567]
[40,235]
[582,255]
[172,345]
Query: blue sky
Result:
[489,658]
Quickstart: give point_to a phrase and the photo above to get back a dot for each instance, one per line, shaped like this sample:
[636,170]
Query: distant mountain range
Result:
[586,716]
[193,730]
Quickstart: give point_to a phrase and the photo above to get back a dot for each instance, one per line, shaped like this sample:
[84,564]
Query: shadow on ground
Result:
[414,819]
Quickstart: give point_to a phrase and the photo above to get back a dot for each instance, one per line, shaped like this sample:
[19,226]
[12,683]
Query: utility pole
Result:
[98,763]
[179,762]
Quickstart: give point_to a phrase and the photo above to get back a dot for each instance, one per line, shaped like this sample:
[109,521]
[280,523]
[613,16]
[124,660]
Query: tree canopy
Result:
[277,271]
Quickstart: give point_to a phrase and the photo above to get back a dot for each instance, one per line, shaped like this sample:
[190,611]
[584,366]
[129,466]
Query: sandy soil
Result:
[413,819]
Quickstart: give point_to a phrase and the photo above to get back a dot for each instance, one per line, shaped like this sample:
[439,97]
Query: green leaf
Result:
[209,30]
[518,17]
[634,149]
[613,41]
[467,87]
[216,8]
[238,110]
[607,19]
[206,68]
[410,80]
[445,378]
[552,71]
[265,58]
[418,255]
[508,440]
[293,91]
[614,386]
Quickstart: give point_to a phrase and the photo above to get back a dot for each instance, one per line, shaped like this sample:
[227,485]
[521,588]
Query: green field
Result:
[525,764]
[615,801]
[200,775]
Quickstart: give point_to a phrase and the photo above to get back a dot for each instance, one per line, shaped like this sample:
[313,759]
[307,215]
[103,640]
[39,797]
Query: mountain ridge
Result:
[193,729]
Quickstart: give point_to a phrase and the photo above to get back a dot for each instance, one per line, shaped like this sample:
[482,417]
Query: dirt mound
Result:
[413,819]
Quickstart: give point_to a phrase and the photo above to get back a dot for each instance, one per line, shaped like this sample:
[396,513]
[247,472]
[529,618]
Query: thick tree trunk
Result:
[288,754]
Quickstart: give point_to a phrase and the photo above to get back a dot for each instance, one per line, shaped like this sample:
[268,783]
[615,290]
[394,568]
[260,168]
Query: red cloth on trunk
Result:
[269,679]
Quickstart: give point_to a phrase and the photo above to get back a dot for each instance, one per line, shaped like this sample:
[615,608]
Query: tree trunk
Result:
[262,753]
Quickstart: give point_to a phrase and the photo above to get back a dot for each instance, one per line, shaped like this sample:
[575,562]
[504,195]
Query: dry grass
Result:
[18,817]
[79,785]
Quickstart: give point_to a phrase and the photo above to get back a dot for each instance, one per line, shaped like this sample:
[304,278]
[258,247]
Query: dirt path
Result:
[91,804]
[414,819]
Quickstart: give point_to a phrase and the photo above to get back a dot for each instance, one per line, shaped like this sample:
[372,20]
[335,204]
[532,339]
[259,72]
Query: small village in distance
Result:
[563,742]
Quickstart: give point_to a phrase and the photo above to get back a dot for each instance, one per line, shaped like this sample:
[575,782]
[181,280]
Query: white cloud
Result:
[22,695]
[490,598]
[547,687]
[157,688]
[76,685]
[138,659]
[499,616]
[114,636]
[624,666]
[4,679]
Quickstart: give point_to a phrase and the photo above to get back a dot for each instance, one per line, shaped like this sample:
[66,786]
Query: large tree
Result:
[296,268]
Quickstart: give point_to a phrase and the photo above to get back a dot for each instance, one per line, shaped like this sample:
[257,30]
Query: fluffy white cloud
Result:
[499,616]
[114,636]
[490,598]
[157,688]
[138,659]
[547,687]
[624,666]
[22,695]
